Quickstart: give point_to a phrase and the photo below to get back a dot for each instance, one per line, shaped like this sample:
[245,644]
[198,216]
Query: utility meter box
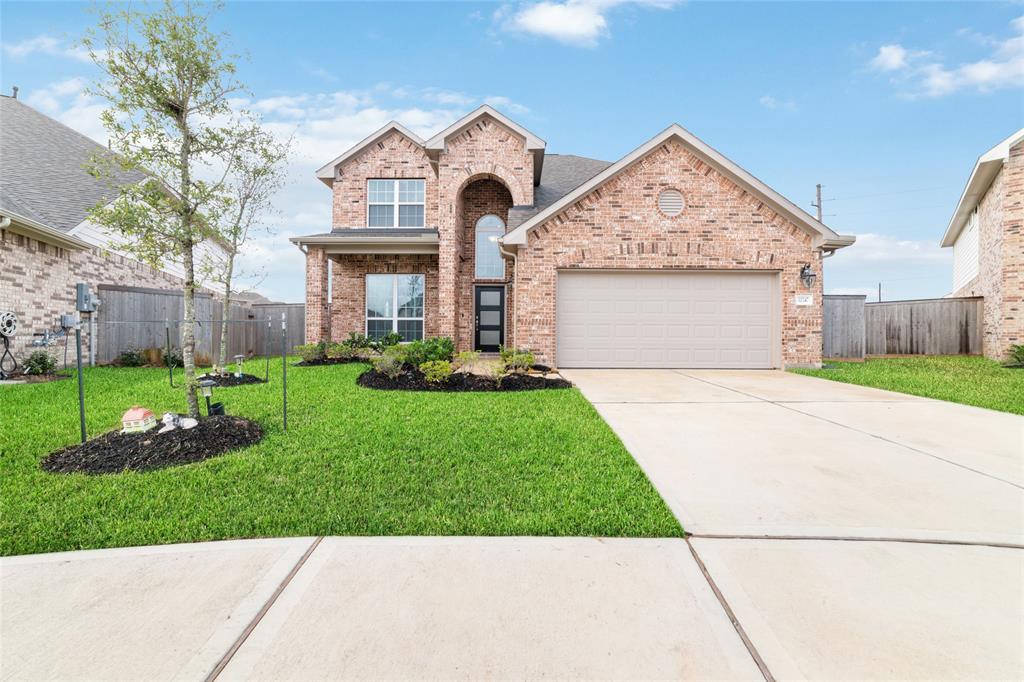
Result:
[85,300]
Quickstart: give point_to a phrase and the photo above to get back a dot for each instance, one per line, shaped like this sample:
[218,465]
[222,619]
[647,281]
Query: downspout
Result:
[513,256]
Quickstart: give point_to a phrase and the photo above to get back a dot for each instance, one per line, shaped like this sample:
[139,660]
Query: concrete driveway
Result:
[853,532]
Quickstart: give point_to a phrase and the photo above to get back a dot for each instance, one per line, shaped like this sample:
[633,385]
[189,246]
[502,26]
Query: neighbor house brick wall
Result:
[37,283]
[487,150]
[348,289]
[1000,277]
[479,198]
[394,156]
[618,225]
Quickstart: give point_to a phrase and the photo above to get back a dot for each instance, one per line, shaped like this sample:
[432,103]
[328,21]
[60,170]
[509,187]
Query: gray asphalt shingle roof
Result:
[42,174]
[562,173]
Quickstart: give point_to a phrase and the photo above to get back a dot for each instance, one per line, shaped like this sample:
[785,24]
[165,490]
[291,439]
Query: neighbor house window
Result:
[489,263]
[395,203]
[394,303]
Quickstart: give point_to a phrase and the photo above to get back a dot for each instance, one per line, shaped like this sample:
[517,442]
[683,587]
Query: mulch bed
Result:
[37,378]
[228,380]
[412,380]
[328,361]
[115,452]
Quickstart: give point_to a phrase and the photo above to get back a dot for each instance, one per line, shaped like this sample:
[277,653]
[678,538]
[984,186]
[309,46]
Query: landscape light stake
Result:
[81,388]
[284,372]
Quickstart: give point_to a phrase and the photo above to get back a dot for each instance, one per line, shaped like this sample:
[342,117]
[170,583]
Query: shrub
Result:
[389,364]
[436,371]
[388,340]
[39,362]
[1017,354]
[132,357]
[516,360]
[311,352]
[438,348]
[467,358]
[497,372]
[339,351]
[172,358]
[357,340]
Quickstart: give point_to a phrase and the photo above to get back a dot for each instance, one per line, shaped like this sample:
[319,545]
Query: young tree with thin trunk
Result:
[169,87]
[257,174]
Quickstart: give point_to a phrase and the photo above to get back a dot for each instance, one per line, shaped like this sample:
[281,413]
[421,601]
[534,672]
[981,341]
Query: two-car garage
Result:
[684,319]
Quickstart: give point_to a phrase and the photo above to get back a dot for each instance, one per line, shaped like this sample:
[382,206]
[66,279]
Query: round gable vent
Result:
[670,202]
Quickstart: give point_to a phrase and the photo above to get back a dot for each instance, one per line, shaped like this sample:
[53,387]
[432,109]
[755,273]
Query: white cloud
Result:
[321,126]
[45,44]
[879,248]
[922,75]
[774,103]
[853,291]
[581,23]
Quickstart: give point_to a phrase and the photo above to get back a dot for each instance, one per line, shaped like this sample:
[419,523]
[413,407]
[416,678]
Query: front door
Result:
[490,319]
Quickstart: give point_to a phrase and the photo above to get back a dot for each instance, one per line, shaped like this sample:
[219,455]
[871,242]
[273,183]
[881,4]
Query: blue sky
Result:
[887,104]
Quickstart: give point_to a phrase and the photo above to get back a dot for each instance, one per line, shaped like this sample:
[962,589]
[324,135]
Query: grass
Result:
[353,462]
[966,379]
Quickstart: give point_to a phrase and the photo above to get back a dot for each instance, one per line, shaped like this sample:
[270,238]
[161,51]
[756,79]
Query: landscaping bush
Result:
[311,352]
[132,357]
[466,358]
[436,371]
[172,358]
[515,360]
[1016,354]
[387,341]
[389,364]
[357,340]
[438,348]
[497,372]
[340,351]
[39,362]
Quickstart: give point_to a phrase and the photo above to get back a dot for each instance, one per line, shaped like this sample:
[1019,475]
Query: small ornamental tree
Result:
[168,86]
[258,172]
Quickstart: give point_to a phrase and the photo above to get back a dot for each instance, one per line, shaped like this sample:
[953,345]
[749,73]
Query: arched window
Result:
[489,263]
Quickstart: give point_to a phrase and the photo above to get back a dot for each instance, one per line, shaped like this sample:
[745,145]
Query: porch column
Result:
[317,316]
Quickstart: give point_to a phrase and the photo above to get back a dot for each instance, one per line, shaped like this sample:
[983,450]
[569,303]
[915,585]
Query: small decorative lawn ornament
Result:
[172,421]
[137,419]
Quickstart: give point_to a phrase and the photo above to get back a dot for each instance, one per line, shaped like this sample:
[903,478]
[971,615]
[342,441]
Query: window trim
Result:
[476,244]
[396,204]
[394,301]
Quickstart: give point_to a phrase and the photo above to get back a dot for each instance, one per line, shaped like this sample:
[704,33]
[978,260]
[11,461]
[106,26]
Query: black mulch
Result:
[412,380]
[327,361]
[115,452]
[228,380]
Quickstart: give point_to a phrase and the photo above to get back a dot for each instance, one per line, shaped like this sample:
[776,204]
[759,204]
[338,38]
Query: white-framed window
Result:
[489,263]
[395,203]
[394,303]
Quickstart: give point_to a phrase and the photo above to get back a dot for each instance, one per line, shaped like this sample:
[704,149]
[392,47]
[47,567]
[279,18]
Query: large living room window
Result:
[489,263]
[395,203]
[394,303]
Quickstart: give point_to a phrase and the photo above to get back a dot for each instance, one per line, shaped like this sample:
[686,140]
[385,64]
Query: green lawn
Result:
[966,379]
[353,462]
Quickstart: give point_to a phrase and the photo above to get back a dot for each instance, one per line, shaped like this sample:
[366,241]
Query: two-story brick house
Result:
[672,256]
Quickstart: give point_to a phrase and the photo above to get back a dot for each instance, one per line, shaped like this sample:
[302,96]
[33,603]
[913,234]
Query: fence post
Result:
[266,377]
[284,372]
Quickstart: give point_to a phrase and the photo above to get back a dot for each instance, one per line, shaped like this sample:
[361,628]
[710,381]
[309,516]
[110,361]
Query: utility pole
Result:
[817,205]
[879,292]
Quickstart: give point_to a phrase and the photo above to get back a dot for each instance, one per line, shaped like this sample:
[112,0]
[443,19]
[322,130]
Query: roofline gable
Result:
[984,172]
[437,141]
[827,238]
[326,172]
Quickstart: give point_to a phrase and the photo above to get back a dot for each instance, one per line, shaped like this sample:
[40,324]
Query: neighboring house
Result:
[672,256]
[987,236]
[47,245]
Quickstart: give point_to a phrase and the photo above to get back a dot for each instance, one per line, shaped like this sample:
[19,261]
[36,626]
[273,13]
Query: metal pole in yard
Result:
[81,388]
[170,365]
[284,372]
[266,377]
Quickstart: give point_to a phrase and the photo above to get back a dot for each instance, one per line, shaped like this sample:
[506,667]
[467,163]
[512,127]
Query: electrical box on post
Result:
[85,300]
[68,321]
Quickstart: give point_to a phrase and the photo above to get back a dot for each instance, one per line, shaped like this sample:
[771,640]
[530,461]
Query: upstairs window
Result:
[395,203]
[489,263]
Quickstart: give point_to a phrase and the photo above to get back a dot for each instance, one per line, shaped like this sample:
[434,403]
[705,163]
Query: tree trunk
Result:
[223,361]
[188,342]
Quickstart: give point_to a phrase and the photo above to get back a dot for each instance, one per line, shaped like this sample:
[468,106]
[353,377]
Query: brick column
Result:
[317,317]
[1011,323]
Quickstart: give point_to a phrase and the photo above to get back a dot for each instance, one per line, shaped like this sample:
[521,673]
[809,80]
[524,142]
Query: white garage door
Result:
[666,319]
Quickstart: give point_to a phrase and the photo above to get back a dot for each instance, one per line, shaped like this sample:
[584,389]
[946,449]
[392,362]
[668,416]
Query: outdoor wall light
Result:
[807,276]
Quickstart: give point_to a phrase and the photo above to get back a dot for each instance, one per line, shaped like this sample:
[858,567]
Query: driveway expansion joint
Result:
[855,538]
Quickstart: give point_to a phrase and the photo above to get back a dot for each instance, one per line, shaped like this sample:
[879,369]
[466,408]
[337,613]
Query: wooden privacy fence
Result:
[136,318]
[853,328]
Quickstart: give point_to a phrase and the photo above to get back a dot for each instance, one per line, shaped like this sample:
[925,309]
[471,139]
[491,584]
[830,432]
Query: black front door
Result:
[490,319]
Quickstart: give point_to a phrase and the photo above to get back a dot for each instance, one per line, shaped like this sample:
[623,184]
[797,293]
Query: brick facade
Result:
[1000,277]
[37,283]
[487,168]
[619,226]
